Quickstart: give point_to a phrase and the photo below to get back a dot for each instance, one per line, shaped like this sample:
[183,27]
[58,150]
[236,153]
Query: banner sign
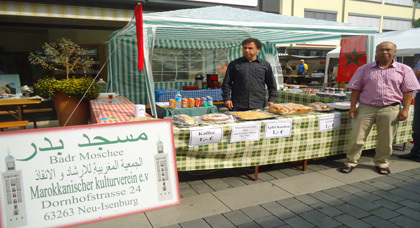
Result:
[329,122]
[245,132]
[205,135]
[278,129]
[73,175]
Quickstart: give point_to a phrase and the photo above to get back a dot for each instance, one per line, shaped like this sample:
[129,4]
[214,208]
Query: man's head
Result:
[302,61]
[250,48]
[385,51]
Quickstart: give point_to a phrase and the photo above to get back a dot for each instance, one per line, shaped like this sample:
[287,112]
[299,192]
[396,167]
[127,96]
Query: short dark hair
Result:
[257,42]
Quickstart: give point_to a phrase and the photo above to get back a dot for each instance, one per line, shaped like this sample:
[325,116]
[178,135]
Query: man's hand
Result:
[402,115]
[270,103]
[229,105]
[353,112]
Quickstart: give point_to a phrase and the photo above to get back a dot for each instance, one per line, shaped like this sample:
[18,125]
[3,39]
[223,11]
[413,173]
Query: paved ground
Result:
[287,197]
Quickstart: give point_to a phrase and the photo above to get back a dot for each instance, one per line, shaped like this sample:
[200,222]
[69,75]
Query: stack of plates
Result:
[342,105]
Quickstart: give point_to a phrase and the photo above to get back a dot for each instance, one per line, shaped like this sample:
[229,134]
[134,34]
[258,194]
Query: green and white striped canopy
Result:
[209,28]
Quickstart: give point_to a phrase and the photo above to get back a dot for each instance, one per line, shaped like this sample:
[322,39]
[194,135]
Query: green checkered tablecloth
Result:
[306,142]
[305,98]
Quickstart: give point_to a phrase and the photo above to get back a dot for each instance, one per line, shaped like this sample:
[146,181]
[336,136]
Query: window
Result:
[321,14]
[365,20]
[392,24]
[185,64]
[400,2]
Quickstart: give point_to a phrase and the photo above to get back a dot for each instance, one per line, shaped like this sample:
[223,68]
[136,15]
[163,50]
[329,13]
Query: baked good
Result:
[182,118]
[215,117]
[321,107]
[289,109]
[257,114]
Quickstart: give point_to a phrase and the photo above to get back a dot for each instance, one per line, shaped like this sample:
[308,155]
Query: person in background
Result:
[380,87]
[302,70]
[244,85]
[289,71]
[415,151]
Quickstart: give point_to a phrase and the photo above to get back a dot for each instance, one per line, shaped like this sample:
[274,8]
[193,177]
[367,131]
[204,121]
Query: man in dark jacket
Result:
[244,86]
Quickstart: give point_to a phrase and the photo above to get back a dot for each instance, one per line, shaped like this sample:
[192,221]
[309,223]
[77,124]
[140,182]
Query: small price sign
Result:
[245,132]
[328,122]
[278,129]
[205,135]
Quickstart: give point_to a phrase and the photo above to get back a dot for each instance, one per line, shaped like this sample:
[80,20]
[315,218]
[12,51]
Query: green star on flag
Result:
[353,57]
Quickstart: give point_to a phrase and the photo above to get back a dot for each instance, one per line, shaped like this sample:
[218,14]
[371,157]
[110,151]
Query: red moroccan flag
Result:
[352,56]
[138,13]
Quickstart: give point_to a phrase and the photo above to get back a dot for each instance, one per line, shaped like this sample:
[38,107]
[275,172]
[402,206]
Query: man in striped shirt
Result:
[381,88]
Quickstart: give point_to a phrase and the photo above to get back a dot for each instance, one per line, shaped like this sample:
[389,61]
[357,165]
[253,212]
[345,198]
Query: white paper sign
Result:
[245,132]
[205,135]
[140,110]
[278,129]
[73,175]
[329,122]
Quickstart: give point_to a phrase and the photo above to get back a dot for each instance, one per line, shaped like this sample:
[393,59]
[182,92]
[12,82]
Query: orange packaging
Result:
[172,104]
[184,103]
[191,102]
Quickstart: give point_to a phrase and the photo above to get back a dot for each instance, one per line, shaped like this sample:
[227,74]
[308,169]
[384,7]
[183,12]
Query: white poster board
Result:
[10,85]
[74,175]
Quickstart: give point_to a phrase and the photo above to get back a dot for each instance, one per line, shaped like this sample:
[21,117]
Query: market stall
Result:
[210,28]
[307,141]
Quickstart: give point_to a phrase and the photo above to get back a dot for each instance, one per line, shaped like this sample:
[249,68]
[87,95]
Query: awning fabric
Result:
[218,27]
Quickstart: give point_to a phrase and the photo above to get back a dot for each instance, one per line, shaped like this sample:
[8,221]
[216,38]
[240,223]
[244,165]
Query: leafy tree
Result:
[416,23]
[65,56]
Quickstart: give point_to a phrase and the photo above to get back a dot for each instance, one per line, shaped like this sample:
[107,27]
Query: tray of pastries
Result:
[252,115]
[183,120]
[289,109]
[321,107]
[216,118]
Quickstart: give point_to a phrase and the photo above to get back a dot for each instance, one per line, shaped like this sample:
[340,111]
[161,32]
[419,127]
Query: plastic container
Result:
[178,99]
[102,84]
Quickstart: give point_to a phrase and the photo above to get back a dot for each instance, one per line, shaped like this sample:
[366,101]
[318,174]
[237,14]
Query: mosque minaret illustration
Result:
[13,197]
[164,184]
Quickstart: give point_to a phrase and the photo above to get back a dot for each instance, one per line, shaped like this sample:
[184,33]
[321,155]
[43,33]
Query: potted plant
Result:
[66,57]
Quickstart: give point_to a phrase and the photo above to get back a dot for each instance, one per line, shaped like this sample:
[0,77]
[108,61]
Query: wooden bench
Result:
[22,124]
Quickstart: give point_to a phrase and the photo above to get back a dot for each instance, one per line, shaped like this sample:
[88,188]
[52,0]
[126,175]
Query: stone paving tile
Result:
[295,205]
[384,213]
[307,199]
[237,217]
[195,223]
[324,197]
[406,194]
[270,222]
[410,187]
[337,193]
[375,221]
[369,196]
[249,225]
[327,209]
[278,210]
[414,181]
[411,204]
[221,186]
[183,185]
[266,177]
[201,188]
[389,180]
[277,174]
[353,211]
[361,203]
[292,172]
[350,189]
[405,222]
[219,221]
[399,176]
[388,204]
[173,226]
[409,213]
[319,219]
[389,196]
[186,192]
[364,187]
[214,181]
[351,221]
[298,222]
[233,181]
[249,181]
[379,184]
[256,212]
